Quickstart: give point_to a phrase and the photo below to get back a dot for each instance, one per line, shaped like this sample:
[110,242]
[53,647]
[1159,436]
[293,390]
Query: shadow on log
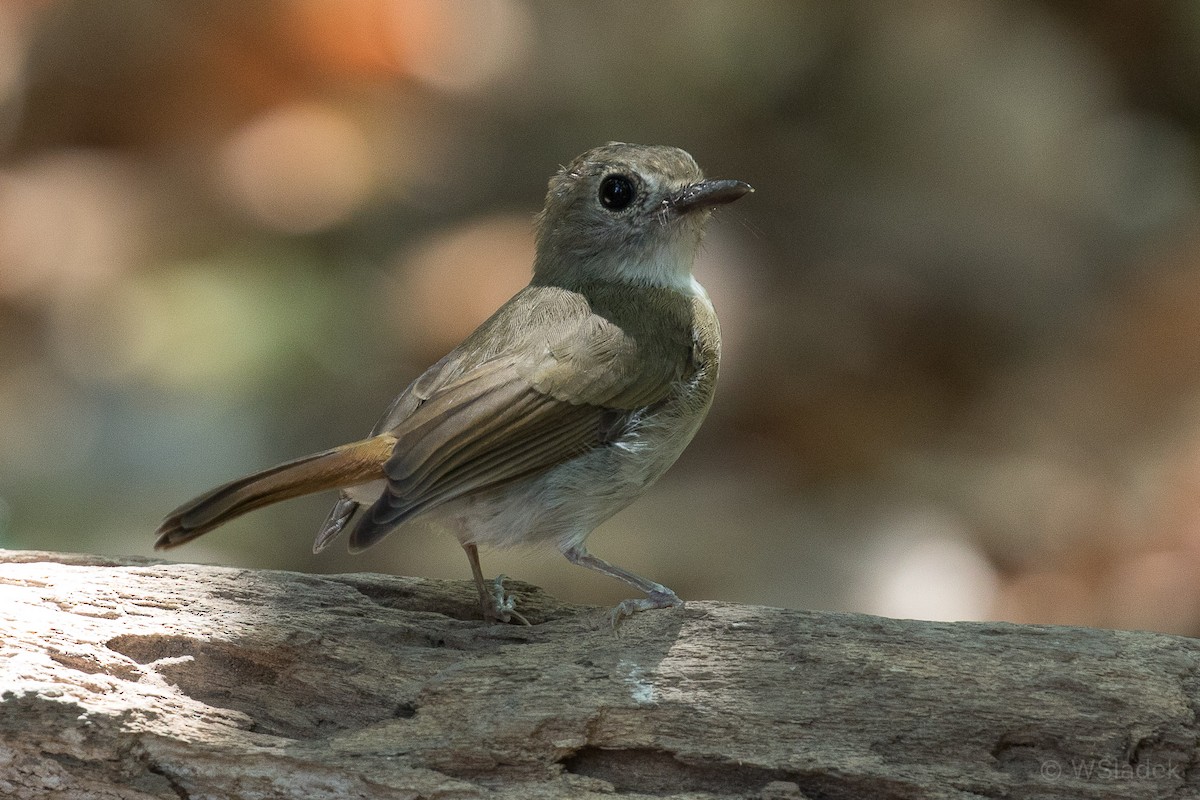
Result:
[135,679]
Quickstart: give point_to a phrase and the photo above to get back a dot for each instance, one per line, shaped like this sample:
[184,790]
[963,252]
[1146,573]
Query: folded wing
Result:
[516,414]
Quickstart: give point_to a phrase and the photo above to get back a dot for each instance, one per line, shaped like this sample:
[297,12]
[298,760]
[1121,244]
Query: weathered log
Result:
[124,678]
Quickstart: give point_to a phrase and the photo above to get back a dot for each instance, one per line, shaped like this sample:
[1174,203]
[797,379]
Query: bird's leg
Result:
[657,595]
[497,606]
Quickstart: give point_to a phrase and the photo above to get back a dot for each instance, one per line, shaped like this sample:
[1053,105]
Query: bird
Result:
[559,410]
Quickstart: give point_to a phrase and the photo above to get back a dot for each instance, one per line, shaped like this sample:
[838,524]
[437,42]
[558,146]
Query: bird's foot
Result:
[500,606]
[655,599]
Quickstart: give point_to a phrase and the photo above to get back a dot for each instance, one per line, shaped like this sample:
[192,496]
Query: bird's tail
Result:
[348,465]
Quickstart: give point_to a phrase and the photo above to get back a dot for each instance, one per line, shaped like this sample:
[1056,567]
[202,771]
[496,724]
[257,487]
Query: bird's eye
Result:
[616,192]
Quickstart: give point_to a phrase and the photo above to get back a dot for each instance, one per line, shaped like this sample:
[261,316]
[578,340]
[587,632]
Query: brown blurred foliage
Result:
[962,310]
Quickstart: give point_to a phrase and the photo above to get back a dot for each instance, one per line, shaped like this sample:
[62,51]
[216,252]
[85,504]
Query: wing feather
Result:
[484,417]
[499,468]
[506,433]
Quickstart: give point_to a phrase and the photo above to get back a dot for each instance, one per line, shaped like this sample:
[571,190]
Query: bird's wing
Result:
[519,412]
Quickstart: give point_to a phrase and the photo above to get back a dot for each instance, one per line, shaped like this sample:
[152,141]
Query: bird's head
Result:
[629,213]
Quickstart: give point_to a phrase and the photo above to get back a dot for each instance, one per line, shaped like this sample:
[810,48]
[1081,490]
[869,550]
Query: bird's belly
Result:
[563,505]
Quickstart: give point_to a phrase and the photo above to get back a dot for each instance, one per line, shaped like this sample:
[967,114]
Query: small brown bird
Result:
[559,410]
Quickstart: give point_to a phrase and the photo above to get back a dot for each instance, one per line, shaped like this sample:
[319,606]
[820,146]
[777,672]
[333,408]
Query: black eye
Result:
[616,192]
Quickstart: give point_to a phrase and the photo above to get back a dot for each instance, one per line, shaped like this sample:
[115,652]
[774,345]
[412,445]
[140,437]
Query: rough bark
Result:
[135,679]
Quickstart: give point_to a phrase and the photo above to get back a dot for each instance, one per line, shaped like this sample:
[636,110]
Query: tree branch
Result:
[133,679]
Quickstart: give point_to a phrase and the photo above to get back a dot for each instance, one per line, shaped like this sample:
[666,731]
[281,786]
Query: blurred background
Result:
[961,312]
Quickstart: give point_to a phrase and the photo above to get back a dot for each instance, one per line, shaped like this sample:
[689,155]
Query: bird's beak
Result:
[708,194]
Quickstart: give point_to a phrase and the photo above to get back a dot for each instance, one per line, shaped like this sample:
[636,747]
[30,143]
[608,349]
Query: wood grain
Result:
[137,679]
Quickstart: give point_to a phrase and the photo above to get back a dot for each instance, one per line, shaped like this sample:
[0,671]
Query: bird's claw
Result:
[627,608]
[503,607]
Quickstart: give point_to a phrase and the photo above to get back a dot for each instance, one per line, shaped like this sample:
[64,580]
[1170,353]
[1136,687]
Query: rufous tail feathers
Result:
[348,465]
